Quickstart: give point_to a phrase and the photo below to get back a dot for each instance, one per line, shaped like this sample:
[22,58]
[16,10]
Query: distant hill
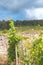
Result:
[5,24]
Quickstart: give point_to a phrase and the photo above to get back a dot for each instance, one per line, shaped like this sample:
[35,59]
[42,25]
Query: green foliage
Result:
[13,41]
[35,53]
[5,24]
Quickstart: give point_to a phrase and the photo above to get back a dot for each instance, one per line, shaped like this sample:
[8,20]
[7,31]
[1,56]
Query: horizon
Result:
[21,20]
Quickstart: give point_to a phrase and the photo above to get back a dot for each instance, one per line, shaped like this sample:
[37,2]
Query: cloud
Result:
[13,4]
[39,2]
[33,8]
[35,13]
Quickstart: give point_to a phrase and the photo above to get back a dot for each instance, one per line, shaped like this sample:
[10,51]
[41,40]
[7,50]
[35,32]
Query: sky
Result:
[21,9]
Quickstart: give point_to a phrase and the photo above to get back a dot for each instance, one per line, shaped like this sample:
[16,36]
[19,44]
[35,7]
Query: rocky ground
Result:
[4,45]
[3,49]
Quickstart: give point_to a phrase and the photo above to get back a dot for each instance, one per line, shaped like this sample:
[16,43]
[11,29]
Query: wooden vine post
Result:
[13,42]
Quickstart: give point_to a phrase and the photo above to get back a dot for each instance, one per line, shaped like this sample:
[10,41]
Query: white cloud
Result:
[39,2]
[35,13]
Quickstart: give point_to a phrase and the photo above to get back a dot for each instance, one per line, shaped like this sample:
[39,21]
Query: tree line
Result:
[5,24]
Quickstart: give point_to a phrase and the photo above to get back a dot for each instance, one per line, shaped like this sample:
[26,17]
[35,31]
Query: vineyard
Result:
[24,48]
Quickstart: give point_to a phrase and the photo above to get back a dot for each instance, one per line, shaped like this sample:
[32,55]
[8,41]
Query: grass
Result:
[29,29]
[26,29]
